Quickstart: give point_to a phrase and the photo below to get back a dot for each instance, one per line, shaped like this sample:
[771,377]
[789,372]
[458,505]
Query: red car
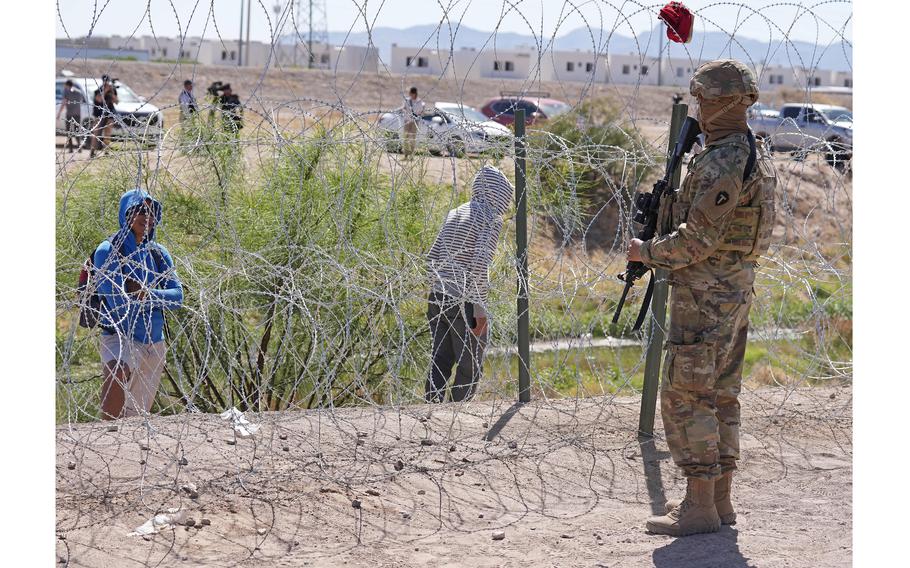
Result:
[538,106]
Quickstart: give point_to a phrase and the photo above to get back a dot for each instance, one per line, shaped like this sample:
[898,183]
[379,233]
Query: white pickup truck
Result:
[803,128]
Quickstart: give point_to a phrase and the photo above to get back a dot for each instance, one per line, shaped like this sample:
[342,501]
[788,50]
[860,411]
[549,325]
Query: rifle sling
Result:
[750,163]
[645,303]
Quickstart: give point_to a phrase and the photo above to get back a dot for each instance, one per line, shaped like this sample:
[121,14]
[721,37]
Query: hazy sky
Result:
[819,21]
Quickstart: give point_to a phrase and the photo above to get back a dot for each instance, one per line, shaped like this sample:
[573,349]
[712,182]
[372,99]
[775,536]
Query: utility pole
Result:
[310,37]
[316,27]
[240,38]
[660,53]
[248,31]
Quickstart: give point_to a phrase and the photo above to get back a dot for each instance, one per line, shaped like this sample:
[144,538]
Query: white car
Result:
[136,118]
[449,127]
[762,110]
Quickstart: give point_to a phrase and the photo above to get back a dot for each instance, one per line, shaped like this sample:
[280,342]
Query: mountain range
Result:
[837,56]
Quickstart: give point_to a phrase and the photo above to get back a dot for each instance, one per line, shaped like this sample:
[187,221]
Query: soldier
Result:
[714,229]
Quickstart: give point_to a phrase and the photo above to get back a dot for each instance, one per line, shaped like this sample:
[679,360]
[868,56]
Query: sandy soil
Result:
[567,481]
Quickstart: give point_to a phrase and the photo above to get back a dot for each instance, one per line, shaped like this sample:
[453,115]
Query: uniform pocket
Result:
[679,213]
[691,367]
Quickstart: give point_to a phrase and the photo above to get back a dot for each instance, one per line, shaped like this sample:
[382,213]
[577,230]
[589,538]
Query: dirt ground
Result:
[566,480]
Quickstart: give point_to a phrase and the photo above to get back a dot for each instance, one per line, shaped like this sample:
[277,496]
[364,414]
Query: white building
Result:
[510,64]
[810,78]
[842,79]
[772,77]
[632,69]
[677,71]
[345,59]
[203,51]
[348,58]
[419,61]
[521,63]
[578,65]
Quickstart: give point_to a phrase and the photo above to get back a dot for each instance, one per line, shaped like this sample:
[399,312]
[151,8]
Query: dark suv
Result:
[538,106]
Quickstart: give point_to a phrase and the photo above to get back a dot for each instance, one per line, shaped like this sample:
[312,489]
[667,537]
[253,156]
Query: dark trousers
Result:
[454,344]
[73,124]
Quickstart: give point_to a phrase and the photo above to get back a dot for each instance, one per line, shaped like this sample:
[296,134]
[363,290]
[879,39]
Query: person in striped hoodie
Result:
[459,263]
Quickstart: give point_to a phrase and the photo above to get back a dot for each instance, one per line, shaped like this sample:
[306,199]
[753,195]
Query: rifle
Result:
[647,206]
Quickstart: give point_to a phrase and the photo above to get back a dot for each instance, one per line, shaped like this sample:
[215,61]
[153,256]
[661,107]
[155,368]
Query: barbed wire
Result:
[301,243]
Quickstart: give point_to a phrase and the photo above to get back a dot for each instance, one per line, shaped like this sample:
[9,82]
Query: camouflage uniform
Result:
[714,229]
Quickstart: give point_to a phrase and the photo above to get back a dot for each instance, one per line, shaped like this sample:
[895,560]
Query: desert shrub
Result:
[302,290]
[593,166]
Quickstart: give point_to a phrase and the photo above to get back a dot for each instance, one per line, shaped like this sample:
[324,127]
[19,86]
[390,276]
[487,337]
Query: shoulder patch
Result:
[721,198]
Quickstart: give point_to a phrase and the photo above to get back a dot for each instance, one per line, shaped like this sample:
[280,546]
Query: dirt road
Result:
[566,480]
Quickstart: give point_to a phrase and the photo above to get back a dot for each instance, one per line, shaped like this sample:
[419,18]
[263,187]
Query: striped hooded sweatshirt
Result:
[459,260]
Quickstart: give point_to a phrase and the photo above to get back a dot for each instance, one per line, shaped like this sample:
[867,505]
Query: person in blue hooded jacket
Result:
[136,283]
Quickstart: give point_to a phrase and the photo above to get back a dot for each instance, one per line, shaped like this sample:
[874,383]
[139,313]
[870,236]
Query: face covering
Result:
[722,117]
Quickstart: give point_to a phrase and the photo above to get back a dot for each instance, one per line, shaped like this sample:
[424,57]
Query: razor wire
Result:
[301,243]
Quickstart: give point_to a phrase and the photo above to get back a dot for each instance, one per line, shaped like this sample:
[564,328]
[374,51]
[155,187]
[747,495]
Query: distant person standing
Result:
[231,110]
[72,103]
[106,99]
[97,116]
[187,100]
[459,264]
[411,110]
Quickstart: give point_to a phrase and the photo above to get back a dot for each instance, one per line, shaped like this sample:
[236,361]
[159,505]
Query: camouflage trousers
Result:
[702,378]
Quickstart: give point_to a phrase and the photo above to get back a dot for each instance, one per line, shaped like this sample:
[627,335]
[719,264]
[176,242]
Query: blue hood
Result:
[121,258]
[132,198]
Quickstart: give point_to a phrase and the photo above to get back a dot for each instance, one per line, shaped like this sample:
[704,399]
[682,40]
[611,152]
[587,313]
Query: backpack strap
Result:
[158,257]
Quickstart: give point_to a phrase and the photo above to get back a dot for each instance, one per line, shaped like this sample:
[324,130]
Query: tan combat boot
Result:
[696,514]
[721,499]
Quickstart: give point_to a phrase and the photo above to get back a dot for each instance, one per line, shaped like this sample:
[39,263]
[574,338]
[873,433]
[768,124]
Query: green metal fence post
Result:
[521,242]
[658,307]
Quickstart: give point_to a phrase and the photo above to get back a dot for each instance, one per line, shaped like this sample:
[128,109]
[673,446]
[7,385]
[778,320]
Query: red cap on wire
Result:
[679,20]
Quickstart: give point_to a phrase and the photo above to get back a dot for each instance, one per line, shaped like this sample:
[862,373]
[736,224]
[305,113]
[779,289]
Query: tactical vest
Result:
[750,229]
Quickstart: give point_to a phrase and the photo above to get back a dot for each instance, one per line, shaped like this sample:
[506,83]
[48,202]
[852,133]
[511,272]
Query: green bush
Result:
[302,289]
[586,164]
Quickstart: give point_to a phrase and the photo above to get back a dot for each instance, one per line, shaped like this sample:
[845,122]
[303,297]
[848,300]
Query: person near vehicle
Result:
[136,283]
[97,116]
[105,102]
[713,231]
[231,110]
[411,111]
[187,101]
[459,262]
[72,104]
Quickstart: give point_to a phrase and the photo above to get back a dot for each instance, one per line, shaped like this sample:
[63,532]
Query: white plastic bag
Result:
[242,427]
[159,522]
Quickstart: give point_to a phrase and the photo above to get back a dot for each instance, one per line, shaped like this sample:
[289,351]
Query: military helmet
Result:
[724,78]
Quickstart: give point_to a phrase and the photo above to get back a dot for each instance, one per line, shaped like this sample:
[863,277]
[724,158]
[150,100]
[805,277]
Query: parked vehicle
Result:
[136,117]
[538,107]
[448,127]
[762,110]
[803,128]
